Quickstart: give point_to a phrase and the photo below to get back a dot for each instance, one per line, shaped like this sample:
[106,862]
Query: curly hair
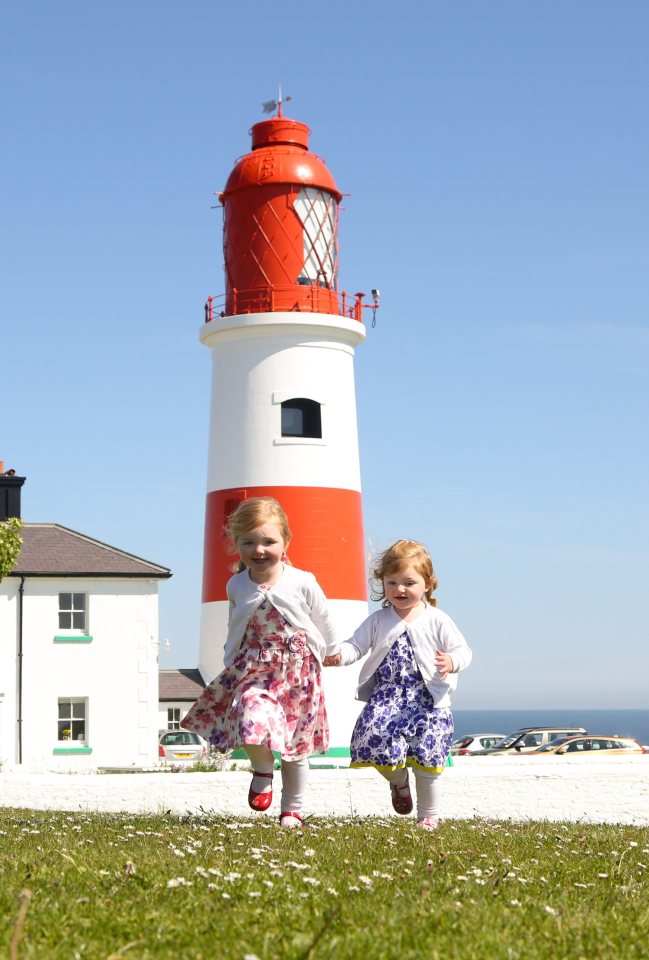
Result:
[403,553]
[254,513]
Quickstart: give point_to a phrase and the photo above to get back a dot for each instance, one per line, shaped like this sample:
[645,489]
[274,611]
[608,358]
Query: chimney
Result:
[10,486]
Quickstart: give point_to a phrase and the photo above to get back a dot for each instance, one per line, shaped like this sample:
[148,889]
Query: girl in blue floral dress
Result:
[415,652]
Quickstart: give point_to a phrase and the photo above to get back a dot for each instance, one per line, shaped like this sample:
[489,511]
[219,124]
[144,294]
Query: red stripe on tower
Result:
[327,527]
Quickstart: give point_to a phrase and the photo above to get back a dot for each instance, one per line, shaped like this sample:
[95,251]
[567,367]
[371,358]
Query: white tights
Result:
[428,789]
[294,776]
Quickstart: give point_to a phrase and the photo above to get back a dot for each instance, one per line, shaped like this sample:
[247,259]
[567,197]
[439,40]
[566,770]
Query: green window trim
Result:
[73,639]
[67,751]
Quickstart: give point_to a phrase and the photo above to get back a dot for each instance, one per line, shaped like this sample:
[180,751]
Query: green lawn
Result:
[138,887]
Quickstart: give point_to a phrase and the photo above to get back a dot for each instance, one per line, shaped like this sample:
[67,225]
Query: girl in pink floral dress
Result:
[269,697]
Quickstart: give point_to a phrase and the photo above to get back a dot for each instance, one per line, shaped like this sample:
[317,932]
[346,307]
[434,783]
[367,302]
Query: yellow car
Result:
[591,746]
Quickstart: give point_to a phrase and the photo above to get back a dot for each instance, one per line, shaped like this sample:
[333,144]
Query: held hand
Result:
[444,664]
[333,660]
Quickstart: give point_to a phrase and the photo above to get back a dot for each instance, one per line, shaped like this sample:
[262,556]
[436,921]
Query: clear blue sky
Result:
[496,157]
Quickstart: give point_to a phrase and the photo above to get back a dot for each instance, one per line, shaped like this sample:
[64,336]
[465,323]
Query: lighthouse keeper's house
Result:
[78,650]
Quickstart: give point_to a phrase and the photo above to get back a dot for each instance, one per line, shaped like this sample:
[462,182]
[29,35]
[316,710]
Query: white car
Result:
[471,742]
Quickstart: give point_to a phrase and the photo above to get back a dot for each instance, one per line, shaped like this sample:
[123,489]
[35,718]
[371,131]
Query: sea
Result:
[625,723]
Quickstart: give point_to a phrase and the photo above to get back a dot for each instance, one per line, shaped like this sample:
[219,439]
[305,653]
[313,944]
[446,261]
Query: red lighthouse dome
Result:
[280,233]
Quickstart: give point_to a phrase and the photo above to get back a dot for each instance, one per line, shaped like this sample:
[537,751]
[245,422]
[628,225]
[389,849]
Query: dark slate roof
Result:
[50,550]
[180,684]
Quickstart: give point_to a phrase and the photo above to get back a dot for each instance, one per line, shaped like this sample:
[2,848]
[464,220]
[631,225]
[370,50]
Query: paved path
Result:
[516,788]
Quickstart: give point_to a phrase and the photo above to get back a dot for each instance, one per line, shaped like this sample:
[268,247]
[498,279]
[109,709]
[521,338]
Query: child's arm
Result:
[443,663]
[348,653]
[352,650]
[321,618]
[453,652]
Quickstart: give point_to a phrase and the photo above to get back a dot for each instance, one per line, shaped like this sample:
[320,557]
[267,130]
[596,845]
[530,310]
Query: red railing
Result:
[274,299]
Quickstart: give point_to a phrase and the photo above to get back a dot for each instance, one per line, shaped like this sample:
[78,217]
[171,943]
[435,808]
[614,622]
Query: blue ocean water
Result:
[626,723]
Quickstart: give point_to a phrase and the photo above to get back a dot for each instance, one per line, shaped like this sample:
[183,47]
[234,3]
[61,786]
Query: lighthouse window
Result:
[318,211]
[301,418]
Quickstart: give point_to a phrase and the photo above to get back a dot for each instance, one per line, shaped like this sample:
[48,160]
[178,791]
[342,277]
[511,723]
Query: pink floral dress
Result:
[271,695]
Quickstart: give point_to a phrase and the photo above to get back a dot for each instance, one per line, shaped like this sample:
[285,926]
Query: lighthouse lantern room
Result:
[283,406]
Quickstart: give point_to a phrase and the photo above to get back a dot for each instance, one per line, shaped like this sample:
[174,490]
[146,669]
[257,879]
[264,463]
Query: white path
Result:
[512,788]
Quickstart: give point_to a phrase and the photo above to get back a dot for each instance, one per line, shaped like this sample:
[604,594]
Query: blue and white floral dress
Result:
[400,724]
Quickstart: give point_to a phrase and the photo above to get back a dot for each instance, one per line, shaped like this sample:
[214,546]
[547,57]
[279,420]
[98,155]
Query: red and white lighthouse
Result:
[283,405]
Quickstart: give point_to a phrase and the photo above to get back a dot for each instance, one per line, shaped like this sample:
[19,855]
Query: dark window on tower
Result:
[301,418]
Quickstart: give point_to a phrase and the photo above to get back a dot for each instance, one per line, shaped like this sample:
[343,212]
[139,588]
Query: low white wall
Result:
[553,789]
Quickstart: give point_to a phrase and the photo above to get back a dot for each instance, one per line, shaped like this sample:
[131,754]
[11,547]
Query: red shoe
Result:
[260,801]
[401,797]
[286,819]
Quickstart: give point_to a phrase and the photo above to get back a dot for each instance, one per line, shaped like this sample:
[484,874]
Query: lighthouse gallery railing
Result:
[319,301]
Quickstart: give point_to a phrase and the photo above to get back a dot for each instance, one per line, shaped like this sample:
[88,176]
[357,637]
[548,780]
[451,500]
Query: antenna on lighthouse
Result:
[269,105]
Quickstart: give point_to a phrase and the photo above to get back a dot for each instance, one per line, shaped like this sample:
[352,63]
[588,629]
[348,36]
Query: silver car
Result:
[181,746]
[529,738]
[471,742]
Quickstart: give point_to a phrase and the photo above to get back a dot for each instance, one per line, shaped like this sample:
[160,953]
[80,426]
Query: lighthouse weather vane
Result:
[269,105]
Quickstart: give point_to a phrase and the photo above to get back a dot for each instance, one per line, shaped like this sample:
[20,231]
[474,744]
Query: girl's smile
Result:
[404,589]
[262,550]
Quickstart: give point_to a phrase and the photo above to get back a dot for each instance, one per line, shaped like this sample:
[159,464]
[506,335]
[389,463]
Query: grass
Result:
[139,887]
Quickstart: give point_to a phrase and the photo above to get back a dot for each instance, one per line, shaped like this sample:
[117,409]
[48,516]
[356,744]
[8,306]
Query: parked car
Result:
[181,746]
[591,746]
[472,742]
[529,738]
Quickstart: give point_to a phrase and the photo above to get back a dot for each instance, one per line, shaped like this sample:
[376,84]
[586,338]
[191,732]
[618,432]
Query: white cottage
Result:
[179,688]
[78,651]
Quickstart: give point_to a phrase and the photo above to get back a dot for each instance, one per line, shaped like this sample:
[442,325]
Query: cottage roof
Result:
[50,550]
[180,684]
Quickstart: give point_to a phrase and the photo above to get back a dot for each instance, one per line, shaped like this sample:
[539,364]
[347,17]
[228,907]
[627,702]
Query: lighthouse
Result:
[283,406]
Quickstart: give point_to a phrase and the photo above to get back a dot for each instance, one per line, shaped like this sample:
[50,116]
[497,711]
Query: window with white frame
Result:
[72,723]
[72,611]
[173,718]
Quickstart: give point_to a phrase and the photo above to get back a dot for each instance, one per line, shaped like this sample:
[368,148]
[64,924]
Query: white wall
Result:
[8,609]
[117,673]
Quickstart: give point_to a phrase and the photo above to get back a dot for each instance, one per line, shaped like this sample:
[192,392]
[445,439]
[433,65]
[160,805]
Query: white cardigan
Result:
[433,630]
[298,597]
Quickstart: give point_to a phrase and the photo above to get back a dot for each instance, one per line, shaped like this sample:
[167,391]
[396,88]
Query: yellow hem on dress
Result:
[397,766]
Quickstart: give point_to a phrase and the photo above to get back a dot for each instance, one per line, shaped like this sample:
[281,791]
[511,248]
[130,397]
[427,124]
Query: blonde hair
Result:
[403,553]
[254,513]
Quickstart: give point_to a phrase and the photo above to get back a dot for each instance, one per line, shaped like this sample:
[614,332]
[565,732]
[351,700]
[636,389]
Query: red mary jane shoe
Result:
[260,801]
[286,819]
